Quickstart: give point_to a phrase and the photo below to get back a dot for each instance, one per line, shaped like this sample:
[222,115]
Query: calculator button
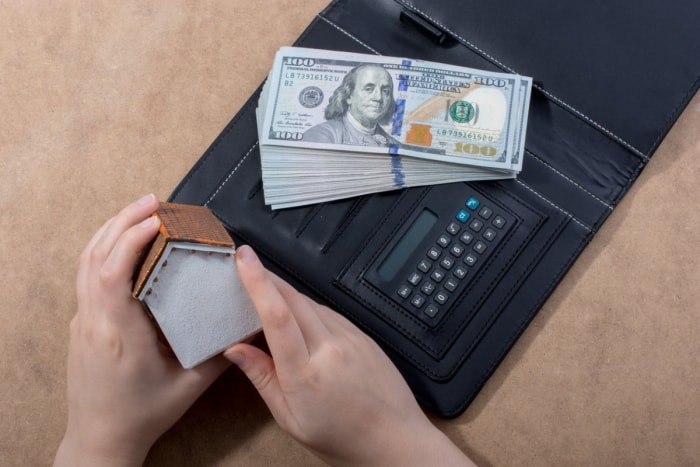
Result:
[476,225]
[480,247]
[424,265]
[427,288]
[489,234]
[451,285]
[447,262]
[438,275]
[431,310]
[417,301]
[441,297]
[460,272]
[457,250]
[414,278]
[472,203]
[404,291]
[499,222]
[462,216]
[443,241]
[452,228]
[486,212]
[434,253]
[470,259]
[466,238]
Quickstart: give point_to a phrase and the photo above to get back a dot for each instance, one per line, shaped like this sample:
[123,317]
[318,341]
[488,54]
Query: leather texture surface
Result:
[106,101]
[589,136]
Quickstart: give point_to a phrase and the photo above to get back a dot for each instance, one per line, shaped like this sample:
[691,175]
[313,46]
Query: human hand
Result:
[329,385]
[125,388]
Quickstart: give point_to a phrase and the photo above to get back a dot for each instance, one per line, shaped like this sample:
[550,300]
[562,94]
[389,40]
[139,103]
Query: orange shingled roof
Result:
[180,223]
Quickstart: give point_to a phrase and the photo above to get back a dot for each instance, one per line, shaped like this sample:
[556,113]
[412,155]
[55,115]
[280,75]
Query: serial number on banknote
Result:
[470,135]
[334,101]
[293,75]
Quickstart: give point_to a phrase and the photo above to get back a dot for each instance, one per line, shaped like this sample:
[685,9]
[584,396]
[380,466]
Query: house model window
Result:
[189,283]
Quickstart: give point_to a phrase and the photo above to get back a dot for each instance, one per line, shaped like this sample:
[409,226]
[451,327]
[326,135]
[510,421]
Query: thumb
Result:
[203,375]
[260,370]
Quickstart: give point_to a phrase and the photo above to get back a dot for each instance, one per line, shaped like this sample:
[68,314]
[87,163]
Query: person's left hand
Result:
[125,388]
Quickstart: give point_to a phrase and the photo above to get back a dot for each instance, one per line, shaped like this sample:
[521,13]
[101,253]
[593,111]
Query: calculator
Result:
[437,253]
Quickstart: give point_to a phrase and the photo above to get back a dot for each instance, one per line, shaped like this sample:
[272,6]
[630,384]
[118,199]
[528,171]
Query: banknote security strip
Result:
[397,170]
[584,132]
[327,121]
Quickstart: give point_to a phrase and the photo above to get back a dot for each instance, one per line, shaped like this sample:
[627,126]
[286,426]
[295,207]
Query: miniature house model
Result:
[189,283]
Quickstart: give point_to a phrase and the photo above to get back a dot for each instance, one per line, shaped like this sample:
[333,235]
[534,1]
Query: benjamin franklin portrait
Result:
[358,107]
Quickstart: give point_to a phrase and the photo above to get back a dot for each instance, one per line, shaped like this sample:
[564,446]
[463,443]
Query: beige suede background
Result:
[103,101]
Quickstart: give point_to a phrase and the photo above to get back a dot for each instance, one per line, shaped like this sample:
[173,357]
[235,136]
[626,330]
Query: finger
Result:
[317,319]
[282,332]
[335,322]
[305,313]
[96,237]
[84,270]
[127,217]
[259,368]
[197,379]
[119,266]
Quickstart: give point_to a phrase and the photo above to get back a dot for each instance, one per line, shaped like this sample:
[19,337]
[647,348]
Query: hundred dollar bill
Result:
[333,125]
[334,101]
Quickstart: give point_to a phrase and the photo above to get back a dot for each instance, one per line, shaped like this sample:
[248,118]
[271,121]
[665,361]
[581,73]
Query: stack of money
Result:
[333,125]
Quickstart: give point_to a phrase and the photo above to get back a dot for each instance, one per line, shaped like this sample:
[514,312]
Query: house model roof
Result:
[180,223]
[188,281]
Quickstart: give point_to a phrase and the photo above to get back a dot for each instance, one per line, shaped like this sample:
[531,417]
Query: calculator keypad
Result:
[454,258]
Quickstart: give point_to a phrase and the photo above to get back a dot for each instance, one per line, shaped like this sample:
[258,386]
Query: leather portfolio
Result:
[610,79]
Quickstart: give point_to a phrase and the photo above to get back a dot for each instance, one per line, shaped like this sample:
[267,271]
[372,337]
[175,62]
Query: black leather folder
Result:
[610,79]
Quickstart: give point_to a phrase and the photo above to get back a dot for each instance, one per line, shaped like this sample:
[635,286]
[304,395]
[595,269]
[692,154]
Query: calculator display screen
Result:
[404,248]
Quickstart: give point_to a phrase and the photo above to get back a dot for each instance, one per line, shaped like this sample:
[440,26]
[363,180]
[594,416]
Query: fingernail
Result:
[236,358]
[146,199]
[246,255]
[150,222]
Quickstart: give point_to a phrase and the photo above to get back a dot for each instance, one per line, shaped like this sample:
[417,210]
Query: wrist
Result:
[420,445]
[76,452]
[413,443]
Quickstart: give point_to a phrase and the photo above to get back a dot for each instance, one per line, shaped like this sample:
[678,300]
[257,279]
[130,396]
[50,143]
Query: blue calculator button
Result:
[462,215]
[472,203]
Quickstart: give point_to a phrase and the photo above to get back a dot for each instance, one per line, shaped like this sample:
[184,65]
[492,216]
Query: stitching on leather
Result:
[329,300]
[592,122]
[233,171]
[259,247]
[546,93]
[546,165]
[492,260]
[551,203]
[335,305]
[348,34]
[373,258]
[397,348]
[205,157]
[568,179]
[384,316]
[460,327]
[569,216]
[207,154]
[486,326]
[519,329]
[516,284]
[435,351]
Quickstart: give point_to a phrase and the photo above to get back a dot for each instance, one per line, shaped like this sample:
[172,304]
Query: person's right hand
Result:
[329,385]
